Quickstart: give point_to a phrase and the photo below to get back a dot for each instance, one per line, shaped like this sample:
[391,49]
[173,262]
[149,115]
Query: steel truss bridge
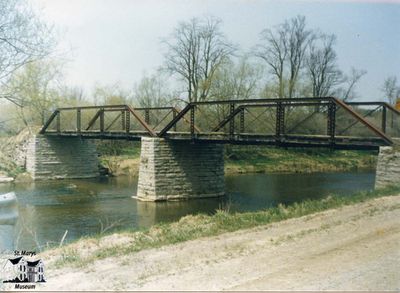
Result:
[300,122]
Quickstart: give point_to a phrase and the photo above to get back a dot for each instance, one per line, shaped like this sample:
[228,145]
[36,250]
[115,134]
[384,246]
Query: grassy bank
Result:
[254,159]
[260,159]
[191,227]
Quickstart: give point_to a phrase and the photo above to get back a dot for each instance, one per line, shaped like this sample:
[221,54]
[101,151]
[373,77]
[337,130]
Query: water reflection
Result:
[149,213]
[85,207]
[259,191]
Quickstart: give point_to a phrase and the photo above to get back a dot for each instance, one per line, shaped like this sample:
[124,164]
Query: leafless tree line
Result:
[196,50]
[24,38]
[289,60]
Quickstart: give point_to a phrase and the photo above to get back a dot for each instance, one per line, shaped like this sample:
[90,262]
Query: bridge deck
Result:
[341,142]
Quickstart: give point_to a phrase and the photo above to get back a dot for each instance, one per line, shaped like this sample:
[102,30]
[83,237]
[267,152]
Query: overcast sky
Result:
[119,40]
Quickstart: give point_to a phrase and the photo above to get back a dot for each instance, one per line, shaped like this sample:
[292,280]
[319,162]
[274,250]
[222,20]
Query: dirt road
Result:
[353,248]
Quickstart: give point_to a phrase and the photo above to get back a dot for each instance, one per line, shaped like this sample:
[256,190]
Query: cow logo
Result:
[21,272]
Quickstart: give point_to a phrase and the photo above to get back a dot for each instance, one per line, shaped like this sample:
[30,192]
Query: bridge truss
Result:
[303,122]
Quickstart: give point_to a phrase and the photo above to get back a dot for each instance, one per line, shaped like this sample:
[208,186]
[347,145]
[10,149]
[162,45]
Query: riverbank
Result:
[13,155]
[355,246]
[262,159]
[256,159]
[123,158]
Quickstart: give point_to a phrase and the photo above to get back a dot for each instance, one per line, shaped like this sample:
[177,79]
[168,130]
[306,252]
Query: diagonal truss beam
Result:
[178,117]
[150,130]
[48,122]
[227,119]
[374,129]
[93,120]
[197,129]
[357,121]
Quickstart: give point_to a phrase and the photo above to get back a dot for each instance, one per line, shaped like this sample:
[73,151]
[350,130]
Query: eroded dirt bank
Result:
[354,248]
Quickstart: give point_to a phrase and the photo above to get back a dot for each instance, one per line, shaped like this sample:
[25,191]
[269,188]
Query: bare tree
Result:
[151,91]
[72,95]
[346,92]
[273,50]
[284,50]
[391,89]
[234,81]
[322,66]
[299,38]
[196,50]
[23,38]
[111,94]
[36,89]
[237,81]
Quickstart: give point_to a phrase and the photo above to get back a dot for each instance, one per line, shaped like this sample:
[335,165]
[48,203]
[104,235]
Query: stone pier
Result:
[388,167]
[61,158]
[172,170]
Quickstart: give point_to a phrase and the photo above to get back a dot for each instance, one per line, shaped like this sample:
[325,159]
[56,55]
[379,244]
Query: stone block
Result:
[173,170]
[61,158]
[388,167]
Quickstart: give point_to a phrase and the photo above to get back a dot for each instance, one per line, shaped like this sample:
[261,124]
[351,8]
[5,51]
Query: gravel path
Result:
[352,248]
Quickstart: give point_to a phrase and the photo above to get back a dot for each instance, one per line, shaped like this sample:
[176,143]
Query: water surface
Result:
[89,206]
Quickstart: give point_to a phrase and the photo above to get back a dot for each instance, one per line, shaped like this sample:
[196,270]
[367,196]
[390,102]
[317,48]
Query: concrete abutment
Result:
[173,170]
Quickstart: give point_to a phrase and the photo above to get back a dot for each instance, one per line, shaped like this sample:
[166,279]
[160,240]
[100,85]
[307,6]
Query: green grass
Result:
[193,227]
[262,159]
[117,148]
[9,167]
[245,159]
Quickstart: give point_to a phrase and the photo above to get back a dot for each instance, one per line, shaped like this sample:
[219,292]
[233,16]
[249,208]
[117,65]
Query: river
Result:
[86,207]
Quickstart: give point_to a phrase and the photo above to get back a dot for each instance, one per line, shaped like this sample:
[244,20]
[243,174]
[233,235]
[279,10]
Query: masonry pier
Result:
[388,166]
[172,170]
[61,158]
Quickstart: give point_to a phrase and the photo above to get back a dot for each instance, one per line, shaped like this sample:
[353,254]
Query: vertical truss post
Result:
[242,120]
[280,120]
[58,122]
[78,120]
[331,127]
[102,120]
[123,119]
[127,121]
[384,114]
[173,117]
[147,116]
[232,121]
[192,121]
